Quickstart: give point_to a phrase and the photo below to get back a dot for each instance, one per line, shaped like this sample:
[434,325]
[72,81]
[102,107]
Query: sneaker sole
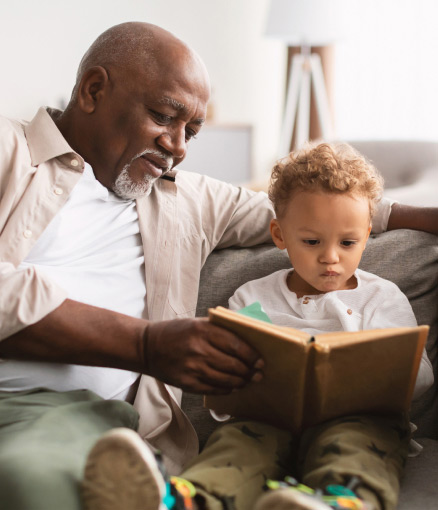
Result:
[287,499]
[121,473]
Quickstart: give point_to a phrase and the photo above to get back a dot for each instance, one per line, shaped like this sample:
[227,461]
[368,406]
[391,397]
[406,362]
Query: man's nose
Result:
[174,142]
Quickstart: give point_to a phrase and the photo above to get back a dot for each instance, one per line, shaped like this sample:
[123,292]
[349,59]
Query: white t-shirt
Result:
[374,303]
[92,249]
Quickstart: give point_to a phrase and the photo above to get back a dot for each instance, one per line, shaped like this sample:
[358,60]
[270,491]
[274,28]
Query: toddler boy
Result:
[324,197]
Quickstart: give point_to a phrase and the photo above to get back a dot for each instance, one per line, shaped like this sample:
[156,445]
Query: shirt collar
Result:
[46,142]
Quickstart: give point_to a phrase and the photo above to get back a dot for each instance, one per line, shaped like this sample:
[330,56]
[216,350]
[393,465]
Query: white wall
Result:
[386,69]
[42,42]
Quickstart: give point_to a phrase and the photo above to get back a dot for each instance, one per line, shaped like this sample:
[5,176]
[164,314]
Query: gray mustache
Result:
[167,162]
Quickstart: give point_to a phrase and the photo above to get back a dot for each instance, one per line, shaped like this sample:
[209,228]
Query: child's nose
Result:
[329,255]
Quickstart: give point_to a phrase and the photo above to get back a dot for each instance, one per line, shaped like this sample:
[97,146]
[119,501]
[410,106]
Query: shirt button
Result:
[58,191]
[27,234]
[74,162]
[306,300]
[349,311]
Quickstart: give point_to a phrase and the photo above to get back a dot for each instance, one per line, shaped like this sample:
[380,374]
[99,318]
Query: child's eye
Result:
[311,242]
[348,243]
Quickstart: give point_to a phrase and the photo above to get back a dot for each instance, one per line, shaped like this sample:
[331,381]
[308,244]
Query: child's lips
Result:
[330,273]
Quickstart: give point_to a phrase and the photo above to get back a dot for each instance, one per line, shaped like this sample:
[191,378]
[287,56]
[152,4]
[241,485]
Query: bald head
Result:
[133,45]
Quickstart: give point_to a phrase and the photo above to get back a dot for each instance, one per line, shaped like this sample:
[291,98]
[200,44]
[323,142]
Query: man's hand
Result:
[199,357]
[190,353]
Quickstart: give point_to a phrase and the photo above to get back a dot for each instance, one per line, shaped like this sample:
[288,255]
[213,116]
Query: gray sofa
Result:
[410,169]
[409,259]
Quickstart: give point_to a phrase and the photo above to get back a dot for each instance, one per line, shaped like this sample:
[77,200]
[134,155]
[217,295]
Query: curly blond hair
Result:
[335,168]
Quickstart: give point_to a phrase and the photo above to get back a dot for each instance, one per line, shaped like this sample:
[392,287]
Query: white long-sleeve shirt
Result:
[374,303]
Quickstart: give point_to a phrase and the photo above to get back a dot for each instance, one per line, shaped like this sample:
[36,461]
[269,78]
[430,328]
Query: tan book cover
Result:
[309,379]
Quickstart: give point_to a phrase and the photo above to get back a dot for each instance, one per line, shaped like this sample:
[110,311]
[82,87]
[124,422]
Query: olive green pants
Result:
[45,438]
[239,457]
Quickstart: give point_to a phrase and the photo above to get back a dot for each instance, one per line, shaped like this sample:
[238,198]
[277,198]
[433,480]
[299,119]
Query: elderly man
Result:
[101,245]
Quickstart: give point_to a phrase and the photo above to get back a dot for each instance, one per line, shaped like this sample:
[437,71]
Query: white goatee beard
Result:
[124,187]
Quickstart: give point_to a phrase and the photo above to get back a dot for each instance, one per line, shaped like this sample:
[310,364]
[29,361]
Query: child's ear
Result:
[367,237]
[276,234]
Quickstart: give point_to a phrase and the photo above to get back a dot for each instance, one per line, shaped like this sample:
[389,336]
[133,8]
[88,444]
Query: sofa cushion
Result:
[419,489]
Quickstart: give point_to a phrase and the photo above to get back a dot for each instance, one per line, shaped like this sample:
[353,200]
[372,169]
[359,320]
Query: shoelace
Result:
[337,496]
[185,489]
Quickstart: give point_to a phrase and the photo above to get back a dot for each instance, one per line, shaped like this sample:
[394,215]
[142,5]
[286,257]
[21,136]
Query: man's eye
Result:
[190,135]
[311,242]
[161,117]
[348,243]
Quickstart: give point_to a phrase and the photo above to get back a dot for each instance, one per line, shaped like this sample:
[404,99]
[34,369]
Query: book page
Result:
[336,338]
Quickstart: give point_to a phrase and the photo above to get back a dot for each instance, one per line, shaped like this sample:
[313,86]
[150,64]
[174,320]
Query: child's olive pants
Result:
[45,437]
[239,457]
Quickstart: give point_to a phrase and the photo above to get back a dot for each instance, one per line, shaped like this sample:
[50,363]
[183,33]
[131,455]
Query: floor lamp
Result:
[304,23]
[305,72]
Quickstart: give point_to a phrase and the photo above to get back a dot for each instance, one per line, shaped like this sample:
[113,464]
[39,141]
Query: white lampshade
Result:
[306,22]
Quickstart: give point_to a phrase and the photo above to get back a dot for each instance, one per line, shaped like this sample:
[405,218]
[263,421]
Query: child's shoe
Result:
[291,495]
[122,473]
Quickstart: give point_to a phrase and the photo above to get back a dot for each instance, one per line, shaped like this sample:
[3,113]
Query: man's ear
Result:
[276,234]
[92,87]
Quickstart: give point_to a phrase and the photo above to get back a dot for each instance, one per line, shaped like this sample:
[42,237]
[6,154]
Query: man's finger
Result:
[231,344]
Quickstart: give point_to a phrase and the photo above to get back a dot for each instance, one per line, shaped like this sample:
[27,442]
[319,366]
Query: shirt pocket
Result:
[186,269]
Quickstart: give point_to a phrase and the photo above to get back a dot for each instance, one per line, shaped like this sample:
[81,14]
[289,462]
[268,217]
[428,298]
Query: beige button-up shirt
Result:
[181,222]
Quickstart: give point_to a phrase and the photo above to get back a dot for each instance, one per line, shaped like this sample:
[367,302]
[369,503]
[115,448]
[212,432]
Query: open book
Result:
[310,379]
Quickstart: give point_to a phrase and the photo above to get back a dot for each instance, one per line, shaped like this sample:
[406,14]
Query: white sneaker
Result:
[122,473]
